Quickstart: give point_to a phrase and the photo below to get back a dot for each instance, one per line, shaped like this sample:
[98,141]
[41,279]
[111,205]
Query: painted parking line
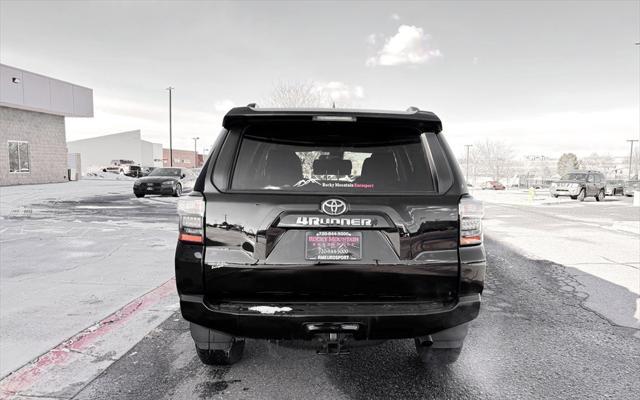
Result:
[73,363]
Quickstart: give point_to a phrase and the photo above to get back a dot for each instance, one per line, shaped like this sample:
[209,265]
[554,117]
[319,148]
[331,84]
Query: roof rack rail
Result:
[413,109]
[252,105]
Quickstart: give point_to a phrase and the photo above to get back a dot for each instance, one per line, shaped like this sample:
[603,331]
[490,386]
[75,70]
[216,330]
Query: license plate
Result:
[333,246]
[150,188]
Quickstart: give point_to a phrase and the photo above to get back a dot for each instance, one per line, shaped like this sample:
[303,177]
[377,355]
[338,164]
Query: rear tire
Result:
[600,196]
[582,195]
[574,197]
[138,195]
[177,191]
[222,357]
[430,355]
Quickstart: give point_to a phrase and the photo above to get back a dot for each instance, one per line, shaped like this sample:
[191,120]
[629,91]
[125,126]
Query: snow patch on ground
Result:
[107,176]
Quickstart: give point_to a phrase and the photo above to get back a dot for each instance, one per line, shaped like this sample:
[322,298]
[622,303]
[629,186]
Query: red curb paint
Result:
[26,376]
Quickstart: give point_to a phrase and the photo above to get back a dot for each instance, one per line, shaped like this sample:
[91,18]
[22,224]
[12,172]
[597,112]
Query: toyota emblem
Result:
[333,207]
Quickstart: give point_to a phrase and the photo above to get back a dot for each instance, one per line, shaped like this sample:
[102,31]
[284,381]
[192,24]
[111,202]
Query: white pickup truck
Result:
[124,167]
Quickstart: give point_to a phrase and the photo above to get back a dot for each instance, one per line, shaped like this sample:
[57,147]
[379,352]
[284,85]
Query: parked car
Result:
[124,167]
[630,187]
[493,185]
[614,187]
[173,181]
[579,185]
[361,230]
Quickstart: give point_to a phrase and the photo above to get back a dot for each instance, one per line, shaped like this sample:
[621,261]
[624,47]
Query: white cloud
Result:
[372,39]
[410,45]
[224,105]
[339,92]
[395,17]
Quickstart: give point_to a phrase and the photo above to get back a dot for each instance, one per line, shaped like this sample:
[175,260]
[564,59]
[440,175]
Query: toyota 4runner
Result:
[340,226]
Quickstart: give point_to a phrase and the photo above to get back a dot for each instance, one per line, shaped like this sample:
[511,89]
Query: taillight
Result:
[471,212]
[191,218]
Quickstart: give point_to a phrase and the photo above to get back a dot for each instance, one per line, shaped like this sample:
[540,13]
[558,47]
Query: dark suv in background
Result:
[341,227]
[579,185]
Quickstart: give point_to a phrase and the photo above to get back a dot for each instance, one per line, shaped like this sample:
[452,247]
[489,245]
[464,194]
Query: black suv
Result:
[579,185]
[329,225]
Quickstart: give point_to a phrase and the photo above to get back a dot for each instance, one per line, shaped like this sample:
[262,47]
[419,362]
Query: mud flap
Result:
[447,339]
[208,339]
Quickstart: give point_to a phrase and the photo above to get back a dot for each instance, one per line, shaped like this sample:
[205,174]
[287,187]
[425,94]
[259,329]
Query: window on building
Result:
[19,156]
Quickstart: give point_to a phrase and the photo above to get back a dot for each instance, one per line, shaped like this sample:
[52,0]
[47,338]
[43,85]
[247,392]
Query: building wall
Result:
[47,146]
[97,152]
[34,92]
[151,154]
[182,158]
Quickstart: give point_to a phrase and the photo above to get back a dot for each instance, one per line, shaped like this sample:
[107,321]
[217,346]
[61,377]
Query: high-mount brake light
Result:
[191,218]
[339,118]
[471,212]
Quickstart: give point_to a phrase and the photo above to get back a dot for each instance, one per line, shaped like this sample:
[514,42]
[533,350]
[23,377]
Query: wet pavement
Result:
[533,339]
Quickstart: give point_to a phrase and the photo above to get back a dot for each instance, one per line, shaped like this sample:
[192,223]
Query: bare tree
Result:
[492,158]
[297,94]
[602,163]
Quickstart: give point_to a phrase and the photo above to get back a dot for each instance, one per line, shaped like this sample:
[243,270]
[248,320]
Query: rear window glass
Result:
[331,162]
[574,177]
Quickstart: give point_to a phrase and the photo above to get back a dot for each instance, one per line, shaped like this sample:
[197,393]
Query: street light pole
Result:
[468,146]
[170,89]
[631,141]
[195,151]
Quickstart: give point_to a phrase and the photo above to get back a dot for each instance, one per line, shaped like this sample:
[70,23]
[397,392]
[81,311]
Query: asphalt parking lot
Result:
[532,340]
[559,317]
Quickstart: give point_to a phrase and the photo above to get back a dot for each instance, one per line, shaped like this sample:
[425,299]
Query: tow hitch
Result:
[332,337]
[333,343]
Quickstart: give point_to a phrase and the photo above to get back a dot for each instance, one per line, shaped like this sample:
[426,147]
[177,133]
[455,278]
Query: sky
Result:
[543,77]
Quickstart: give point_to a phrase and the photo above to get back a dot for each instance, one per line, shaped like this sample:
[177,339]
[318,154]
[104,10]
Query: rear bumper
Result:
[292,320]
[565,191]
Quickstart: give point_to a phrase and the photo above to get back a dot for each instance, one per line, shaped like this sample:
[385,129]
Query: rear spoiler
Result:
[240,116]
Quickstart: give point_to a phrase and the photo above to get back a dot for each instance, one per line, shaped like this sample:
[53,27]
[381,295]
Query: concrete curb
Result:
[64,370]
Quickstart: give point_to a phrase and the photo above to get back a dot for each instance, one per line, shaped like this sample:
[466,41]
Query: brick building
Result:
[182,158]
[33,107]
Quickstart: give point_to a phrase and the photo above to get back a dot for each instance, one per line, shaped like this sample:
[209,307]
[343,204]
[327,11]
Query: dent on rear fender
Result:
[473,266]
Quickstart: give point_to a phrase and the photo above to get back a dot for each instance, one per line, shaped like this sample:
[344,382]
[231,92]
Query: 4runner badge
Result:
[333,207]
[331,221]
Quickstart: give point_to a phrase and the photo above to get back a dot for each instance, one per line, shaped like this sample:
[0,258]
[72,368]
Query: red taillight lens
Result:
[471,212]
[191,218]
[185,237]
